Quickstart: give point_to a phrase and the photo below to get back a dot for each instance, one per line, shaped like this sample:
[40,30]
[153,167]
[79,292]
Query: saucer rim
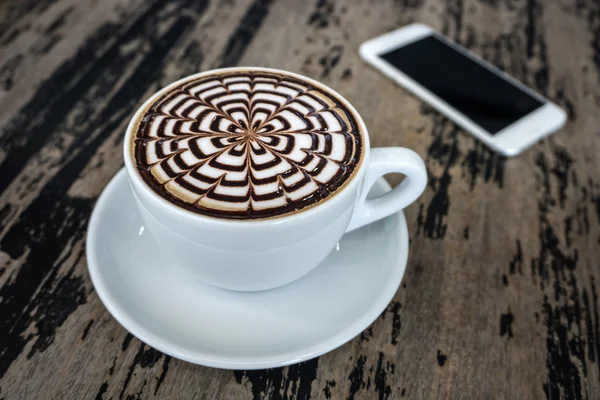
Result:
[163,344]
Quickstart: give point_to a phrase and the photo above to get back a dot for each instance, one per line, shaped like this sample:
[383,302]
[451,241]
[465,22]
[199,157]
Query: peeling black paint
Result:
[402,6]
[563,379]
[191,59]
[163,373]
[245,32]
[593,328]
[102,391]
[483,163]
[8,70]
[18,11]
[561,171]
[324,15]
[568,311]
[394,308]
[516,264]
[54,306]
[563,101]
[59,21]
[506,321]
[366,334]
[44,44]
[330,59]
[14,33]
[87,329]
[100,56]
[329,385]
[356,377]
[298,380]
[441,358]
[126,341]
[383,389]
[53,218]
[446,153]
[590,10]
[111,370]
[420,218]
[347,74]
[146,357]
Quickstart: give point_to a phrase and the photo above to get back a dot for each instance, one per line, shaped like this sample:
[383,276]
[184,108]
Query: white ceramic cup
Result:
[252,255]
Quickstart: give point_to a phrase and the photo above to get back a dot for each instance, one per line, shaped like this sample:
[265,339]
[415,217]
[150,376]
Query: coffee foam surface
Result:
[247,145]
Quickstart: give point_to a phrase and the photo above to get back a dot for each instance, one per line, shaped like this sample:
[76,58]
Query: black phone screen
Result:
[483,96]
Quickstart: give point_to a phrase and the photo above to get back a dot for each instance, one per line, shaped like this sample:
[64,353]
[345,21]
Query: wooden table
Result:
[501,294]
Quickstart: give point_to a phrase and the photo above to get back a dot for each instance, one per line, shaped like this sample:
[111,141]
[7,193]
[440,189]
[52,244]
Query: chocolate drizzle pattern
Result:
[247,145]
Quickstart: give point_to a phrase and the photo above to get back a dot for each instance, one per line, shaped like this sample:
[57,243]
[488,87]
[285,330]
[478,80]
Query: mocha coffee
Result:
[244,144]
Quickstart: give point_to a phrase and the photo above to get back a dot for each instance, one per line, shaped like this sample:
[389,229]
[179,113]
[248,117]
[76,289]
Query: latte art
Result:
[247,144]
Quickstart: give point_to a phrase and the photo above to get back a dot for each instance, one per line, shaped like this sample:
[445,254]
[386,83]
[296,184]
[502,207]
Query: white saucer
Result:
[172,311]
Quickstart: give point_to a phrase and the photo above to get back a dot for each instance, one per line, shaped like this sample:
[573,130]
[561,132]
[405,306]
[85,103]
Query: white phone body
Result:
[509,141]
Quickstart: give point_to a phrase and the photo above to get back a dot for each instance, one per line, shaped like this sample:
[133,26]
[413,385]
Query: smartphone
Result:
[494,107]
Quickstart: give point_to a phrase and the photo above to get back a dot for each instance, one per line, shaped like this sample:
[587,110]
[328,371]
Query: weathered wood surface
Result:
[500,297]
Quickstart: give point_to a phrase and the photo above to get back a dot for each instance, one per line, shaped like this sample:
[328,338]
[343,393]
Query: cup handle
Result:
[385,160]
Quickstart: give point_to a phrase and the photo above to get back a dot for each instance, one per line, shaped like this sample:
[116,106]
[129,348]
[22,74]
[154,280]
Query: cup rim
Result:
[137,181]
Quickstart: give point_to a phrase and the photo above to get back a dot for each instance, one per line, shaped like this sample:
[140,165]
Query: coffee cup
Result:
[281,228]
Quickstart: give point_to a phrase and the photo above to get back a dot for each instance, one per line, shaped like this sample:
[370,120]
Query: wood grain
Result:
[501,294]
